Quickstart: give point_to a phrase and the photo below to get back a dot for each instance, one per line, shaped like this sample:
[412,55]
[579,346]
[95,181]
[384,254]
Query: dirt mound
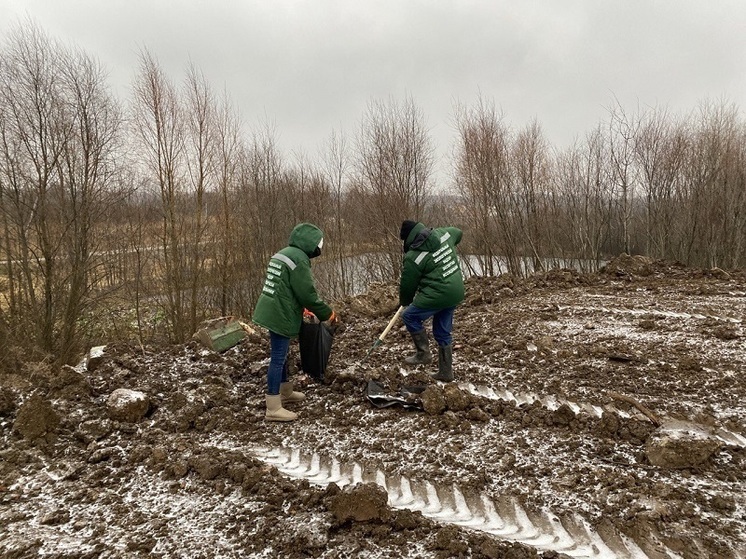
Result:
[637,266]
[381,299]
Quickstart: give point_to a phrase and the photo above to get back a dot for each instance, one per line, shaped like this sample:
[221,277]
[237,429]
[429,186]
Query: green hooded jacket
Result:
[431,275]
[289,287]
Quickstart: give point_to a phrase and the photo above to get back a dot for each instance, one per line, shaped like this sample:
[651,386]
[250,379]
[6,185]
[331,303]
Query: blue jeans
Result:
[278,371]
[413,317]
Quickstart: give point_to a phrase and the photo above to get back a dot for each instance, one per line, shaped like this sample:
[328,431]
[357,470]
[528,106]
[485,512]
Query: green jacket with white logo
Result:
[289,287]
[431,276]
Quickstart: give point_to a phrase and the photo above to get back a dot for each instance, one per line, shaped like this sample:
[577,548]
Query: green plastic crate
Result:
[221,333]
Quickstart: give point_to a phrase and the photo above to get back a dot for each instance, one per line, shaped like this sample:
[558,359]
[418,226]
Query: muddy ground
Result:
[531,452]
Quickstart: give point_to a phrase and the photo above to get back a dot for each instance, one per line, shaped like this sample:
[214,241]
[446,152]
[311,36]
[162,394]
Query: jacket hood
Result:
[306,236]
[417,238]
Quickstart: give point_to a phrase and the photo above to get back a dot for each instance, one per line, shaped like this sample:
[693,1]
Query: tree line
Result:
[138,219]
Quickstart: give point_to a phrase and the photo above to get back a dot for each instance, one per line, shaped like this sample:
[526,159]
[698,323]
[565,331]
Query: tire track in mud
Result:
[650,313]
[553,403]
[505,517]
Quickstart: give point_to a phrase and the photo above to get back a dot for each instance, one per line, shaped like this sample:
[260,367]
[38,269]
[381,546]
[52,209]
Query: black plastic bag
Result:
[315,341]
[407,396]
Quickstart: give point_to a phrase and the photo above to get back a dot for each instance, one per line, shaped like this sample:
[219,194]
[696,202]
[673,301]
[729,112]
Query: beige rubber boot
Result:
[275,411]
[289,395]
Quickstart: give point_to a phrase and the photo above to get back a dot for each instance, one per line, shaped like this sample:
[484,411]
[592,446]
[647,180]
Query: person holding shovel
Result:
[289,289]
[431,285]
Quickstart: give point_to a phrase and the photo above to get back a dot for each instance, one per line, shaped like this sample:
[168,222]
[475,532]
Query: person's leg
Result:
[413,318]
[285,369]
[442,327]
[279,345]
[287,390]
[278,354]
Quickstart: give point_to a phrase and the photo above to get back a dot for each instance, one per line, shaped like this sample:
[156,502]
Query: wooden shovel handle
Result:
[391,323]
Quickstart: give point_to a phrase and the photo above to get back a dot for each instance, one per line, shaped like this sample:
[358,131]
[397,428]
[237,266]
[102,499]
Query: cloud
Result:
[311,67]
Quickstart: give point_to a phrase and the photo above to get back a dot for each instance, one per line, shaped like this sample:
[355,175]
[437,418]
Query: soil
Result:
[531,452]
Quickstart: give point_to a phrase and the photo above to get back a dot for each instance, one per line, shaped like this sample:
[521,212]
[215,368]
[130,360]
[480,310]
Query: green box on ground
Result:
[221,333]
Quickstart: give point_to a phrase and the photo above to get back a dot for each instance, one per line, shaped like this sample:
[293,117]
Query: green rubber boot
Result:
[445,364]
[423,354]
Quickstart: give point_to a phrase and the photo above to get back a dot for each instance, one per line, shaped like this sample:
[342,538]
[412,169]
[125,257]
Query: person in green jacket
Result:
[288,289]
[431,285]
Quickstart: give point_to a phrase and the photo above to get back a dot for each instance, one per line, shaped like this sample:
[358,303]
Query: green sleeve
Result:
[410,280]
[456,233]
[302,284]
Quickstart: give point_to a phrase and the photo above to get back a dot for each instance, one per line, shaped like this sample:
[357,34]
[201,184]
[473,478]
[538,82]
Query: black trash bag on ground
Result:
[315,342]
[407,396]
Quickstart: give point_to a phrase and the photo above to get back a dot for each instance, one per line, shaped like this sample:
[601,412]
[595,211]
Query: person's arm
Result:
[301,282]
[455,233]
[410,280]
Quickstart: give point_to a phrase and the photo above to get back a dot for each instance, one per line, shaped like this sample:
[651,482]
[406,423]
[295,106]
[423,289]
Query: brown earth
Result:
[536,360]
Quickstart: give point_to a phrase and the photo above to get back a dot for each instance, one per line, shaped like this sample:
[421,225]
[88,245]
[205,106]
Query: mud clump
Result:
[456,399]
[7,402]
[448,540]
[36,418]
[436,400]
[677,447]
[69,384]
[627,265]
[433,400]
[360,503]
[128,406]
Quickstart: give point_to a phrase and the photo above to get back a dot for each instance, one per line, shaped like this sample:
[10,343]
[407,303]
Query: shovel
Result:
[379,341]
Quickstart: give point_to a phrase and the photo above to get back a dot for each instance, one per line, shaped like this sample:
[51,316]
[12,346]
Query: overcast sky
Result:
[313,66]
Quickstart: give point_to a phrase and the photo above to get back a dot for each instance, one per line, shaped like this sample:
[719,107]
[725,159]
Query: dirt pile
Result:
[526,454]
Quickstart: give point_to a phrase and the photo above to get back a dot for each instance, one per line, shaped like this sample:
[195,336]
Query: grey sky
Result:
[313,66]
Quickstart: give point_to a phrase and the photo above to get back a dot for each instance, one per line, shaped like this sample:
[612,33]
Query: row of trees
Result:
[644,183]
[154,214]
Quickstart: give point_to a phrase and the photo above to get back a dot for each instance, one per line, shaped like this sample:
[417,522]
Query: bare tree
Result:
[159,123]
[660,150]
[622,131]
[201,164]
[230,152]
[394,167]
[482,173]
[714,183]
[336,168]
[89,169]
[263,209]
[60,135]
[312,192]
[583,200]
[532,170]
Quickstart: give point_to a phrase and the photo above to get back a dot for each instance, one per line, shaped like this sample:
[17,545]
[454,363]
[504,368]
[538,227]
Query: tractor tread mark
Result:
[505,518]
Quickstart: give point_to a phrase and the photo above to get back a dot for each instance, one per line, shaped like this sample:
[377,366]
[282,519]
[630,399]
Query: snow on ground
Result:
[528,455]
